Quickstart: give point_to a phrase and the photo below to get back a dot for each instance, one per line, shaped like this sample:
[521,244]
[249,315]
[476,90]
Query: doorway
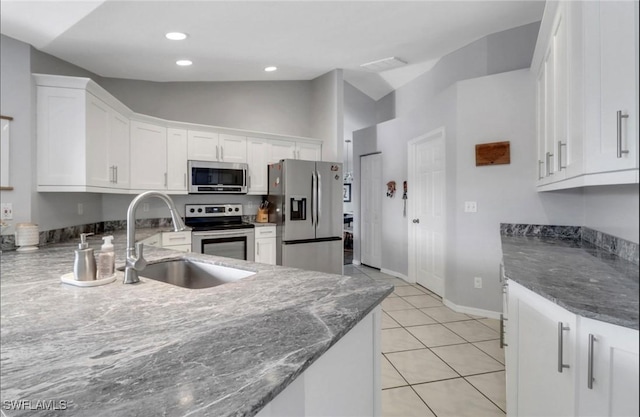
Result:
[427,210]
[371,210]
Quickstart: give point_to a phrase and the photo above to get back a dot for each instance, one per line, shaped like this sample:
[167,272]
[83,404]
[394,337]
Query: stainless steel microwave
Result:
[217,177]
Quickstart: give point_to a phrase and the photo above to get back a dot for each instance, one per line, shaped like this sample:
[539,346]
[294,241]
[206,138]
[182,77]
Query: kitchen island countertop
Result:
[157,349]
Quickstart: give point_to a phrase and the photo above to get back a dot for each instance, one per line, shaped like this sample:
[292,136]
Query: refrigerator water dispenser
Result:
[298,208]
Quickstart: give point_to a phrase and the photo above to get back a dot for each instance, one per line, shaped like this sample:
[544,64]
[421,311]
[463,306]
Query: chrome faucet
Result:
[135,260]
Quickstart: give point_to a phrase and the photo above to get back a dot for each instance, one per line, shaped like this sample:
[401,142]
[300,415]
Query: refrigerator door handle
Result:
[313,198]
[319,203]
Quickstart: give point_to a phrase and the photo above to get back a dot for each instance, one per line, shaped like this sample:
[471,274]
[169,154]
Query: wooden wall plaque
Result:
[495,153]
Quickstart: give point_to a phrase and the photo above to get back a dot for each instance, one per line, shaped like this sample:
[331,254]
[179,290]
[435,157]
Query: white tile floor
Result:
[435,361]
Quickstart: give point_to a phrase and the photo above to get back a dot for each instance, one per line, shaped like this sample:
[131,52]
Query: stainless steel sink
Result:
[188,273]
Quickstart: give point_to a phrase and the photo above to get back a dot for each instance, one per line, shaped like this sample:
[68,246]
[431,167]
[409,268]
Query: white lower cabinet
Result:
[179,241]
[547,360]
[608,369]
[345,381]
[265,244]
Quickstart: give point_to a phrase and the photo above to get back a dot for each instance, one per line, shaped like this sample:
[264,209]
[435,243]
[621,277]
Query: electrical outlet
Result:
[7,211]
[470,206]
[80,209]
[477,282]
[145,206]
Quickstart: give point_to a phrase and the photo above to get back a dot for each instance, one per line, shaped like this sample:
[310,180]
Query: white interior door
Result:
[371,210]
[427,207]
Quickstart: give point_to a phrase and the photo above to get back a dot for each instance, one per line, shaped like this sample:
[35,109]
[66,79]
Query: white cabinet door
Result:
[233,148]
[282,149]
[258,153]
[203,146]
[546,359]
[176,159]
[266,251]
[99,172]
[611,353]
[309,151]
[148,156]
[119,156]
[617,67]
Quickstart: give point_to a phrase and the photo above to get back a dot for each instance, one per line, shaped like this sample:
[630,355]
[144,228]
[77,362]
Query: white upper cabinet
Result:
[87,141]
[82,142]
[613,101]
[176,159]
[586,62]
[216,147]
[258,153]
[148,156]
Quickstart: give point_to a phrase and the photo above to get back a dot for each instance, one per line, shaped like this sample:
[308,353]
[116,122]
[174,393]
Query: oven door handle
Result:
[222,233]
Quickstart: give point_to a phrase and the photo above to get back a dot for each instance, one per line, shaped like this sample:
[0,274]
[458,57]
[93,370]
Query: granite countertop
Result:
[575,274]
[129,349]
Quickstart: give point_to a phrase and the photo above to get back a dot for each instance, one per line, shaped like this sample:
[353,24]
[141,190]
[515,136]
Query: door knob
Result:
[416,220]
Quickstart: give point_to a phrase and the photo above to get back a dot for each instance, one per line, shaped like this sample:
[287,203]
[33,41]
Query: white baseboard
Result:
[396,274]
[472,310]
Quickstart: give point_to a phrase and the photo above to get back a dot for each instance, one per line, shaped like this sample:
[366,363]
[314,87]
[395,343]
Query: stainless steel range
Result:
[218,230]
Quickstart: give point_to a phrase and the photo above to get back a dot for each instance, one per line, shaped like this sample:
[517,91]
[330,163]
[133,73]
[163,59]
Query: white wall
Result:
[613,210]
[327,118]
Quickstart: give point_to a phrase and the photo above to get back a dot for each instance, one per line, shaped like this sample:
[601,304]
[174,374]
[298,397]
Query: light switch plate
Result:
[470,206]
[7,211]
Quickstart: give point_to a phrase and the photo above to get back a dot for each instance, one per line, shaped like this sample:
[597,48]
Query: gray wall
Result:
[327,113]
[282,107]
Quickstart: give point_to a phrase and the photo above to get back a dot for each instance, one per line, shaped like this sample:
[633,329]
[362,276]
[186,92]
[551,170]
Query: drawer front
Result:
[265,231]
[176,238]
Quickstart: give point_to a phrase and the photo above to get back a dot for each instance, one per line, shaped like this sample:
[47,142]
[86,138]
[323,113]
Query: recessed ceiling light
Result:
[176,36]
[184,62]
[270,69]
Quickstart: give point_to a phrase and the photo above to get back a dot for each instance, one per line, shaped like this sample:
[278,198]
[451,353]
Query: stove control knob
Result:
[192,210]
[229,209]
[237,209]
[199,210]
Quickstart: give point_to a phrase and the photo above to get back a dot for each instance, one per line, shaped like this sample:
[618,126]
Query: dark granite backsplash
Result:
[47,237]
[623,248]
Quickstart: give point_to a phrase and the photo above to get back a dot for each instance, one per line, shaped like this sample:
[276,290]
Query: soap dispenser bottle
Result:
[106,259]
[84,265]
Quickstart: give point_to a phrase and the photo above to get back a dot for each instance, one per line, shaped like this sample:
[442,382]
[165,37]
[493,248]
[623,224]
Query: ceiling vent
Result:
[383,64]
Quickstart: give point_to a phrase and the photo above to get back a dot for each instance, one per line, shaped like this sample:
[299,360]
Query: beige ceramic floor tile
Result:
[413,317]
[456,398]
[404,290]
[388,322]
[472,330]
[466,359]
[390,376]
[417,366]
[492,323]
[492,348]
[403,402]
[491,385]
[444,314]
[395,303]
[435,335]
[422,301]
[395,340]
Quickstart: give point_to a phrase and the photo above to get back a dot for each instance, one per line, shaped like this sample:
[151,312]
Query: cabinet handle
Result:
[217,155]
[561,328]
[185,179]
[222,153]
[619,117]
[177,238]
[116,167]
[548,163]
[540,169]
[249,181]
[111,174]
[502,320]
[590,378]
[258,248]
[560,145]
[165,179]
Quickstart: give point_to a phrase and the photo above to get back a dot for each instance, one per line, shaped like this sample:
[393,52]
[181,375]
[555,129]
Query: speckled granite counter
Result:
[157,349]
[575,274]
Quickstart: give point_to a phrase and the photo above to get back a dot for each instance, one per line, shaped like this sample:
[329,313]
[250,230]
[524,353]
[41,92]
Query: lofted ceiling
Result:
[236,40]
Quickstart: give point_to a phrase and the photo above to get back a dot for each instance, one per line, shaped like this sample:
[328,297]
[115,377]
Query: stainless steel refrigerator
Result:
[306,204]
